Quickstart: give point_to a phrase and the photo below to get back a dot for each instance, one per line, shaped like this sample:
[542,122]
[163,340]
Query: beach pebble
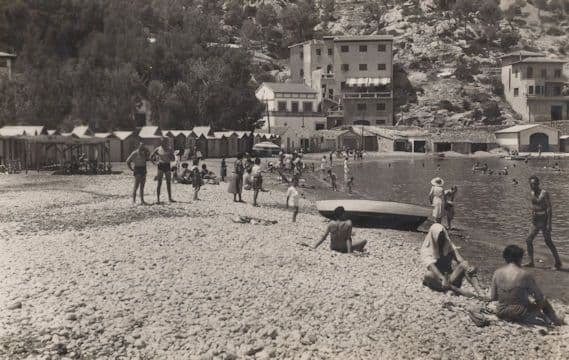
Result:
[139,344]
[14,305]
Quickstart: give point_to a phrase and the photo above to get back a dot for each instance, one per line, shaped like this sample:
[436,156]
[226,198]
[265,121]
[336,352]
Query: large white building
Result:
[291,110]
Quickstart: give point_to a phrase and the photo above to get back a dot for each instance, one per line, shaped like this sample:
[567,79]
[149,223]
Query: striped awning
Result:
[362,82]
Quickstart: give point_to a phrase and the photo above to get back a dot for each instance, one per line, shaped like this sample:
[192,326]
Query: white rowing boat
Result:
[384,214]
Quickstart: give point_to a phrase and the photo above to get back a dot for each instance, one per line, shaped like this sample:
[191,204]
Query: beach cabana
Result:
[151,136]
[245,141]
[216,145]
[179,138]
[114,144]
[529,137]
[231,143]
[10,148]
[128,143]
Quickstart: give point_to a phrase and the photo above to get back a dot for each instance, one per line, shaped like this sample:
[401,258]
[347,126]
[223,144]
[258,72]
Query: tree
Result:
[233,15]
[156,95]
[327,9]
[298,21]
[464,11]
[374,13]
[513,11]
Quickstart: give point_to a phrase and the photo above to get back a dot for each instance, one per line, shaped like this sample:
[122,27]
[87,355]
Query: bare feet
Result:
[172,200]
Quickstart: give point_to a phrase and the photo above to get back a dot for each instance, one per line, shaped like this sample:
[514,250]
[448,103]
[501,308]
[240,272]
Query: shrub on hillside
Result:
[491,111]
[555,31]
[497,86]
[508,39]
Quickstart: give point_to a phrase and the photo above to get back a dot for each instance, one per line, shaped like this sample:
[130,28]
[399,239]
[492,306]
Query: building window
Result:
[530,90]
[345,67]
[381,48]
[345,48]
[342,85]
[516,73]
[380,122]
[301,72]
[380,106]
[363,48]
[530,72]
[516,91]
[556,91]
[331,93]
[330,51]
[318,52]
[329,69]
[307,106]
[537,90]
[381,67]
[318,67]
[294,106]
[320,126]
[557,73]
[544,73]
[363,67]
[281,105]
[362,107]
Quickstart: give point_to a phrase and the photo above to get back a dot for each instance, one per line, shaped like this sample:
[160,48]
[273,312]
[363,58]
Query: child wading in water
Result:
[449,205]
[196,179]
[292,198]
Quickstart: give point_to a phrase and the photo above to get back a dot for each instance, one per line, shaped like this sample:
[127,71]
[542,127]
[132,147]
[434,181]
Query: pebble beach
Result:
[85,274]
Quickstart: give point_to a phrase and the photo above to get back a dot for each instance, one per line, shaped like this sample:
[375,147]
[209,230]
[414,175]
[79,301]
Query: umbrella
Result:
[266,145]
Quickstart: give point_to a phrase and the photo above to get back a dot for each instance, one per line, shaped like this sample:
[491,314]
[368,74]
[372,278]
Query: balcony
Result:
[295,114]
[367,95]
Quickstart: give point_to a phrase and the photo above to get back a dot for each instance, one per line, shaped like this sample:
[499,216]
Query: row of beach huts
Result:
[36,146]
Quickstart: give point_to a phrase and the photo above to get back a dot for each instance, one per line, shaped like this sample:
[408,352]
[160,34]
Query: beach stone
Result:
[14,305]
[71,317]
[139,344]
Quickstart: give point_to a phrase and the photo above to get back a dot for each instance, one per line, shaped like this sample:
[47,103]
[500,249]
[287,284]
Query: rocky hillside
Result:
[447,63]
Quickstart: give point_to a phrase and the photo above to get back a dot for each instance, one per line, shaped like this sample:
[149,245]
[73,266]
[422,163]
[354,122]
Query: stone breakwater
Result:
[86,275]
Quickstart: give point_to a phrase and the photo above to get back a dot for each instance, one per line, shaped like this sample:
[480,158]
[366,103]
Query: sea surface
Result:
[491,211]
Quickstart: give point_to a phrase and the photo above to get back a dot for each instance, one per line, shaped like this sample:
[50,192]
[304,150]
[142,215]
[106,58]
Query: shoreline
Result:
[103,278]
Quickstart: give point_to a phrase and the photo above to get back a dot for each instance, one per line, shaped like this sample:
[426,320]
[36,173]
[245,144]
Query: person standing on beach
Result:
[323,166]
[347,172]
[165,156]
[541,221]
[223,171]
[438,254]
[292,199]
[436,198]
[340,231]
[350,184]
[236,183]
[449,205]
[138,158]
[333,180]
[257,180]
[511,288]
[196,177]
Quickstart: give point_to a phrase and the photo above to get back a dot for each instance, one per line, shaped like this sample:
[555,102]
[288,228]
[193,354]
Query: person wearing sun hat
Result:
[436,197]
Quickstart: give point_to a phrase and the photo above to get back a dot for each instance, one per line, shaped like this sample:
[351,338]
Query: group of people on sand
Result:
[512,286]
[162,157]
[247,174]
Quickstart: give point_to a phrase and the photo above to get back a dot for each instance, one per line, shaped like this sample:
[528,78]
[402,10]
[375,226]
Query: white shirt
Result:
[255,170]
[293,196]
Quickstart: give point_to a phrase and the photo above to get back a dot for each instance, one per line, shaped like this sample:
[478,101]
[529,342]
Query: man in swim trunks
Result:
[512,286]
[162,156]
[340,231]
[541,221]
[138,158]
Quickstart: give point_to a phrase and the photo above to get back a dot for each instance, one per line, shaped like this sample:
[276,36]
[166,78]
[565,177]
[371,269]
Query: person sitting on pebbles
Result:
[340,231]
[511,288]
[438,254]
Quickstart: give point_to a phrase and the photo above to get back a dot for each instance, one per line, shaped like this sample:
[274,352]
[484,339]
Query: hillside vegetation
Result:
[94,61]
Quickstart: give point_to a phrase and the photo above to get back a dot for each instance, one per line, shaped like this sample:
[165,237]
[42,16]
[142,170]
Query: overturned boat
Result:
[382,214]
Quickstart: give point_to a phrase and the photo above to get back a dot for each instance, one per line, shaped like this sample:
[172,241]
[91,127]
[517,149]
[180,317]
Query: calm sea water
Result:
[491,211]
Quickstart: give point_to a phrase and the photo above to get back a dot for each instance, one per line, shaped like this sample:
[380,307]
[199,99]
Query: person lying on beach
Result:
[340,231]
[446,269]
[511,288]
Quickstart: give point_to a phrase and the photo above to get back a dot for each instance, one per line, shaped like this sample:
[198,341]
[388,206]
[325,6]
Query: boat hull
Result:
[377,214]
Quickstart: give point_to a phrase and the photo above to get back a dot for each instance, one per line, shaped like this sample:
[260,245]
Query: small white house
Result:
[529,138]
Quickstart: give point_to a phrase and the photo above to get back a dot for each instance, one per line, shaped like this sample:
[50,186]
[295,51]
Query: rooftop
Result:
[518,128]
[363,38]
[81,131]
[149,132]
[523,53]
[21,130]
[123,134]
[289,87]
[201,130]
[541,60]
